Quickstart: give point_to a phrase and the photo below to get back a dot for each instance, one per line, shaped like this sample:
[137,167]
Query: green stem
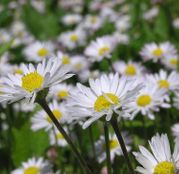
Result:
[92,141]
[45,106]
[114,124]
[108,157]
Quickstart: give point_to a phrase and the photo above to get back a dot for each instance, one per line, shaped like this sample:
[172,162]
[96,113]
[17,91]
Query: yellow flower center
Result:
[113,144]
[103,50]
[74,38]
[105,101]
[93,20]
[63,94]
[78,66]
[59,136]
[158,52]
[173,61]
[130,70]
[164,168]
[144,100]
[42,52]
[57,115]
[32,81]
[66,60]
[32,170]
[163,84]
[18,71]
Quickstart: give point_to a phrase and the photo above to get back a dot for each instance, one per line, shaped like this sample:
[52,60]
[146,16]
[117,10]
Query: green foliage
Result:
[42,26]
[28,143]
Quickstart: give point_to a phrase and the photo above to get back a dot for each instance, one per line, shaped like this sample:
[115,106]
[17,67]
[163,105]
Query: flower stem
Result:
[106,134]
[121,142]
[45,106]
[92,141]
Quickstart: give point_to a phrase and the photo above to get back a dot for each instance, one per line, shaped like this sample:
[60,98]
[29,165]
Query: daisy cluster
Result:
[92,61]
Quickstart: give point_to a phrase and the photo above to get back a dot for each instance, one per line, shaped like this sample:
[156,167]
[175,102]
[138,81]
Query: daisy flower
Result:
[72,39]
[123,23]
[71,19]
[106,95]
[4,36]
[41,120]
[157,51]
[171,61]
[60,91]
[114,146]
[148,100]
[92,22]
[34,79]
[35,166]
[165,80]
[57,138]
[160,161]
[37,51]
[130,69]
[79,63]
[151,13]
[64,58]
[100,48]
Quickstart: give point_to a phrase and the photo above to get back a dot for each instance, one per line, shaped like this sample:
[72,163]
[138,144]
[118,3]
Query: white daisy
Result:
[121,38]
[123,23]
[155,52]
[105,95]
[71,19]
[37,51]
[34,79]
[114,146]
[4,36]
[57,138]
[100,48]
[33,166]
[41,120]
[160,161]
[149,100]
[92,22]
[130,69]
[5,66]
[151,13]
[176,23]
[79,63]
[60,91]
[165,80]
[171,61]
[64,58]
[72,39]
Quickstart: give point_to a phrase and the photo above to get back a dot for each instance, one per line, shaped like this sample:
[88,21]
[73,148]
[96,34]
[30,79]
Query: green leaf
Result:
[28,144]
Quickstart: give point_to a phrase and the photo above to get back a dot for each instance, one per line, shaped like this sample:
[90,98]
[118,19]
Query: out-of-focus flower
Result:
[130,69]
[35,166]
[123,23]
[42,121]
[71,19]
[37,51]
[170,61]
[72,39]
[114,146]
[56,138]
[101,48]
[151,14]
[155,52]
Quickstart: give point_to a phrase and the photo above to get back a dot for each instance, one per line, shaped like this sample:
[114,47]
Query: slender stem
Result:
[45,106]
[106,134]
[92,141]
[121,142]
